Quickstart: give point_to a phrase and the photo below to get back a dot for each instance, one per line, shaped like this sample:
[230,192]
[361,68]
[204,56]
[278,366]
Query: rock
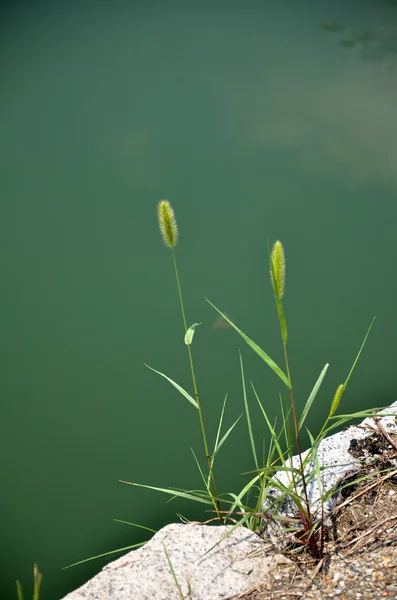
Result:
[238,562]
[232,567]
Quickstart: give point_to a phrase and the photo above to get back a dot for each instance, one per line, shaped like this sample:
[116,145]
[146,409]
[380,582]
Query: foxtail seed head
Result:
[337,399]
[167,223]
[277,269]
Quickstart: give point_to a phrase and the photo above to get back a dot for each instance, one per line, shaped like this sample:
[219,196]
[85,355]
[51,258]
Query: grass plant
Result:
[309,525]
[277,477]
[169,231]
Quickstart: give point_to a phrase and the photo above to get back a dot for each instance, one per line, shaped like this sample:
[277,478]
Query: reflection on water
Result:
[221,323]
[259,126]
[372,43]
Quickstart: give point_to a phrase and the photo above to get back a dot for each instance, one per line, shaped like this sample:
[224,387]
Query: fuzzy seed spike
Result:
[277,269]
[337,399]
[167,223]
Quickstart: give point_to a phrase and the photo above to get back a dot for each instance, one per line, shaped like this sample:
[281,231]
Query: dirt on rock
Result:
[360,551]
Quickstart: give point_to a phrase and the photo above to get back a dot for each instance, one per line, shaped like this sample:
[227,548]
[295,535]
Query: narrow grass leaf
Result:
[174,493]
[370,412]
[231,530]
[274,435]
[206,482]
[286,427]
[181,596]
[236,502]
[365,477]
[218,433]
[289,492]
[225,436]
[359,353]
[80,562]
[246,488]
[312,396]
[178,387]
[316,462]
[265,357]
[135,525]
[247,413]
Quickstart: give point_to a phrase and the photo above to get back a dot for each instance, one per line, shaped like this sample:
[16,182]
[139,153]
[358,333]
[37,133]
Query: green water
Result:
[257,123]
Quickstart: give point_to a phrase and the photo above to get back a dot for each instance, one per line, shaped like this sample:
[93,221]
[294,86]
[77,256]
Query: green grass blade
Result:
[312,396]
[19,590]
[359,353]
[339,420]
[178,493]
[178,387]
[265,357]
[370,412]
[247,413]
[181,596]
[225,436]
[246,488]
[236,502]
[218,433]
[316,462]
[274,470]
[105,554]
[274,435]
[286,426]
[235,526]
[337,487]
[205,481]
[135,525]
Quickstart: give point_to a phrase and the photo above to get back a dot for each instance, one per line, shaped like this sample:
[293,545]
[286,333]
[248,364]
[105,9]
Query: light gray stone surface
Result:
[235,565]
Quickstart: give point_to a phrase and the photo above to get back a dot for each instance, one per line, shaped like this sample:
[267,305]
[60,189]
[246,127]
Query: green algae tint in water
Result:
[259,121]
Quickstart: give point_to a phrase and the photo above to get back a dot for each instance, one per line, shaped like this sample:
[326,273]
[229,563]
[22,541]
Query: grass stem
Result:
[196,395]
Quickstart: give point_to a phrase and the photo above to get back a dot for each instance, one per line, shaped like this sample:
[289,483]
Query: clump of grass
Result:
[309,528]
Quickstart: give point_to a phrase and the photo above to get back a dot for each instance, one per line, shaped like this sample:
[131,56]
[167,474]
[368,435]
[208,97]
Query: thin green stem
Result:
[207,454]
[297,436]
